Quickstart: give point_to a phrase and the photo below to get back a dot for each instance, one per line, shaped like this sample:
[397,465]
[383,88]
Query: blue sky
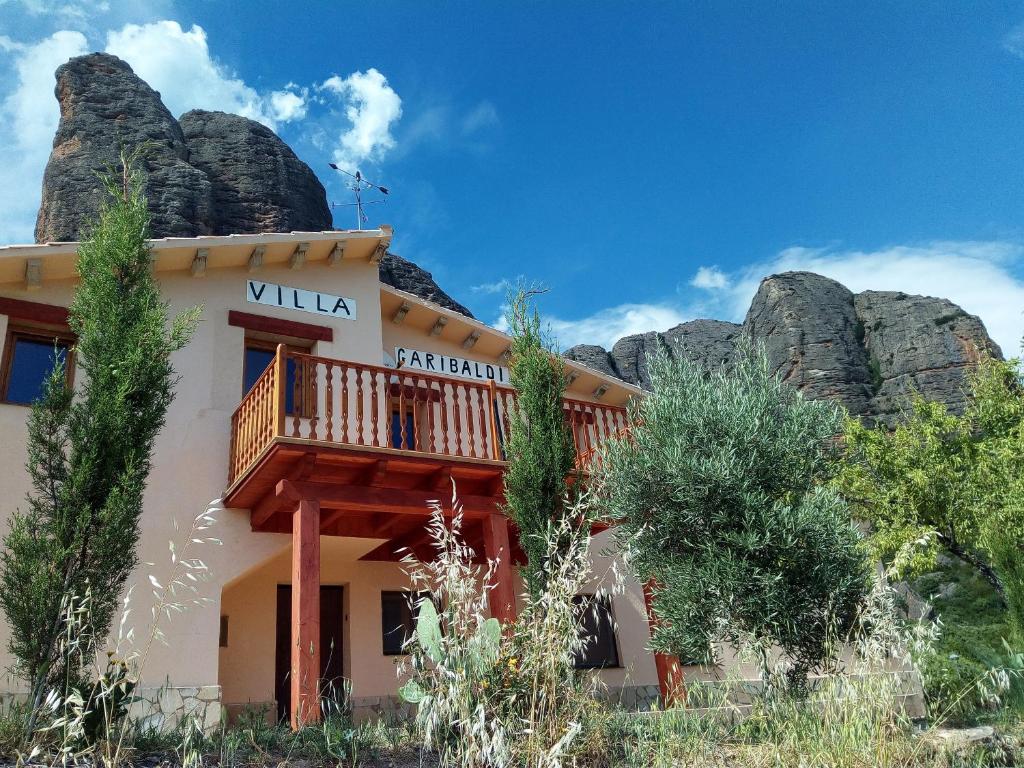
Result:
[648,162]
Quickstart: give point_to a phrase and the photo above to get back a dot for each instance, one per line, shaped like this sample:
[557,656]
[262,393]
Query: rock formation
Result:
[868,351]
[104,106]
[212,173]
[405,276]
[258,184]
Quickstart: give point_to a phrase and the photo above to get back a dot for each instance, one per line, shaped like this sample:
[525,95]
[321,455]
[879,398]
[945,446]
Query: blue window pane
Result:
[32,361]
[396,431]
[256,361]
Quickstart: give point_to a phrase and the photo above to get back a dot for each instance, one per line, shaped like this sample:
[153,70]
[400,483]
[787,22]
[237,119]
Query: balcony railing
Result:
[338,402]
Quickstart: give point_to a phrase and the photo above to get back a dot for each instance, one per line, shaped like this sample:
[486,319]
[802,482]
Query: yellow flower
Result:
[484,683]
[512,662]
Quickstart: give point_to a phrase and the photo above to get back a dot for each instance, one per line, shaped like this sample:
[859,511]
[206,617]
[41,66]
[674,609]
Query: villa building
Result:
[318,413]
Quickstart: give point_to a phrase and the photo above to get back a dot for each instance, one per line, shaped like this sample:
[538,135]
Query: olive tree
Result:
[721,493]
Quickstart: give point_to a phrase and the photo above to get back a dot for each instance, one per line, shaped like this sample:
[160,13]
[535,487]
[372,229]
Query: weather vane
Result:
[358,185]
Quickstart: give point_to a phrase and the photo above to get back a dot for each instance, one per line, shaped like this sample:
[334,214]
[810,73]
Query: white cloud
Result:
[1014,41]
[501,286]
[28,120]
[606,326]
[177,63]
[371,107]
[483,115]
[710,279]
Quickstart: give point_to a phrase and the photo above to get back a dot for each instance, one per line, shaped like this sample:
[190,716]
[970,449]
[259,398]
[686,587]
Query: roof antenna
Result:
[359,185]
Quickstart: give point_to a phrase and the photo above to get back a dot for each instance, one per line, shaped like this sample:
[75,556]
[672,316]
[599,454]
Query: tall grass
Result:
[510,696]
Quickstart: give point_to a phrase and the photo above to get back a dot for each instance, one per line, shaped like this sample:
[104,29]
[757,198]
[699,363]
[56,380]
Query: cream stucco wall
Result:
[189,476]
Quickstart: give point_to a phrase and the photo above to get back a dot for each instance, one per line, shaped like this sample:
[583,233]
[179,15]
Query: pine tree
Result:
[89,453]
[540,449]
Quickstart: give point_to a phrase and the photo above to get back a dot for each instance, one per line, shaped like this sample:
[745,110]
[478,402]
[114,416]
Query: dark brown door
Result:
[331,655]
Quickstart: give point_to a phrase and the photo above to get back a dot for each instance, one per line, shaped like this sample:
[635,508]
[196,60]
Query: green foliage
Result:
[942,481]
[89,455]
[539,447]
[488,695]
[721,493]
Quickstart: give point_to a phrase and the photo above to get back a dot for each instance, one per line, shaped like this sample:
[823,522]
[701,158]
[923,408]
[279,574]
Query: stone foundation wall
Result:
[163,708]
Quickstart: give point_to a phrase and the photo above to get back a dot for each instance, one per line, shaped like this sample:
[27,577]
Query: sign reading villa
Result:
[449,365]
[274,295]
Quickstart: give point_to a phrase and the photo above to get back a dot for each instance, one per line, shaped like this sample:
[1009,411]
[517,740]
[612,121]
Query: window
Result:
[398,619]
[29,358]
[223,632]
[259,354]
[409,443]
[597,627]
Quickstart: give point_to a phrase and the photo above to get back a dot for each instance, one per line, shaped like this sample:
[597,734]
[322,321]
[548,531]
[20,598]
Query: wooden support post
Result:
[492,390]
[502,595]
[305,667]
[280,389]
[670,672]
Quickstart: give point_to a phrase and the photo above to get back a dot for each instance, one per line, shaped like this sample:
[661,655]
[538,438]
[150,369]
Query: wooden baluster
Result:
[359,406]
[587,443]
[458,419]
[329,401]
[296,396]
[492,412]
[401,412]
[375,407]
[444,418]
[416,436]
[471,433]
[431,446]
[280,382]
[344,369]
[480,417]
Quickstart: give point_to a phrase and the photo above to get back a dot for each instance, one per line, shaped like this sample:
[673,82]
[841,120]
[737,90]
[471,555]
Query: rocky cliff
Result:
[209,173]
[868,350]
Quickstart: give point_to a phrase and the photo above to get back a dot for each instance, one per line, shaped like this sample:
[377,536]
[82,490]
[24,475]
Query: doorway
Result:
[332,664]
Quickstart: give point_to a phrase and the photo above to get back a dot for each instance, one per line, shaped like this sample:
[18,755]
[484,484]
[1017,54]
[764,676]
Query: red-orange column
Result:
[305,672]
[670,672]
[502,595]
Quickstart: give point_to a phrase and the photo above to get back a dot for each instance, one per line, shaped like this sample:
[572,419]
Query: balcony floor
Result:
[374,493]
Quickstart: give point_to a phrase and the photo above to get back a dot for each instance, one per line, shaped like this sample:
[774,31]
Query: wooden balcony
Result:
[366,426]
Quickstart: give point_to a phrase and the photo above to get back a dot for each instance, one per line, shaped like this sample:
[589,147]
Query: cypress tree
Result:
[539,447]
[89,452]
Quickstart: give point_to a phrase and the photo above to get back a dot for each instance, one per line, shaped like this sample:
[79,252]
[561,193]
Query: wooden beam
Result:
[337,253]
[298,258]
[438,326]
[284,494]
[33,274]
[33,311]
[441,480]
[256,258]
[393,550]
[399,317]
[471,340]
[305,667]
[199,262]
[502,595]
[373,473]
[366,499]
[279,327]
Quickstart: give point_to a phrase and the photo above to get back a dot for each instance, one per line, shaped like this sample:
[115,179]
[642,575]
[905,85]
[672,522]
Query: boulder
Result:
[405,276]
[258,184]
[105,107]
[808,326]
